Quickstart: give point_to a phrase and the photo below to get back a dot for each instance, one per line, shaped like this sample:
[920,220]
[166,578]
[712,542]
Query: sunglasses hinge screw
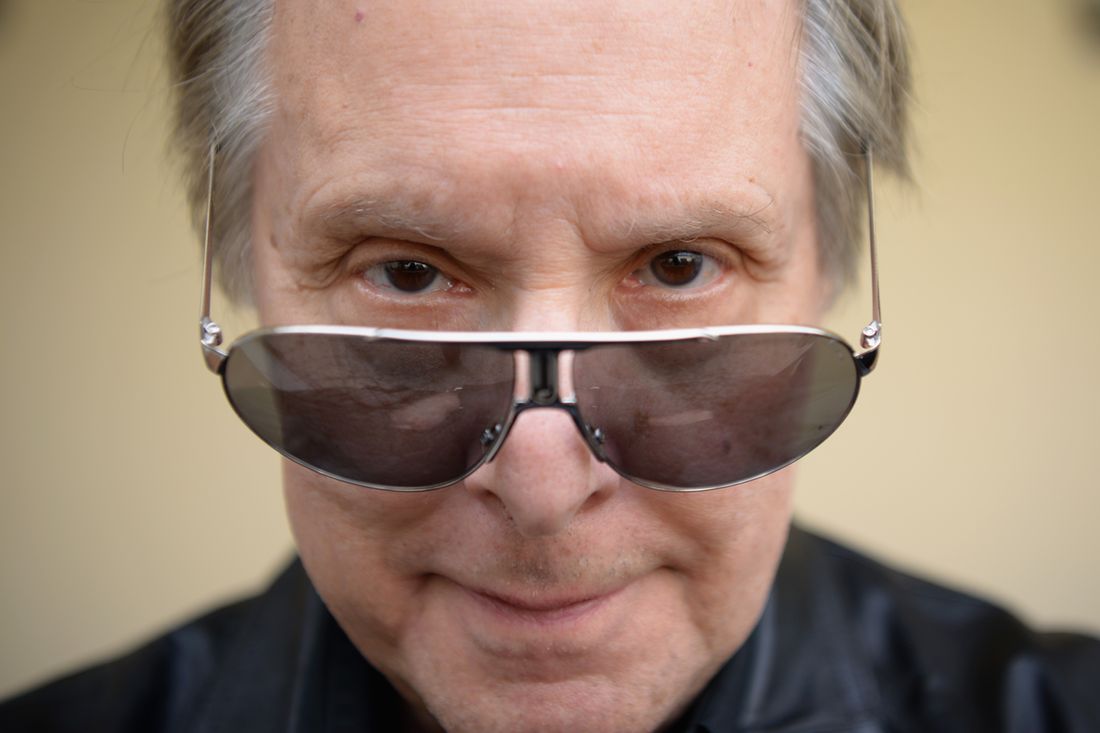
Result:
[490,434]
[871,335]
[210,333]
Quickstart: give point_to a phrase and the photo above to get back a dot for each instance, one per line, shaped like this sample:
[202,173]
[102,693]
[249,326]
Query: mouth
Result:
[546,610]
[541,628]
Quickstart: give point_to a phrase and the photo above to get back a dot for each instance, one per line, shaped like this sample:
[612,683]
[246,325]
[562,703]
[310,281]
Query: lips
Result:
[540,627]
[555,608]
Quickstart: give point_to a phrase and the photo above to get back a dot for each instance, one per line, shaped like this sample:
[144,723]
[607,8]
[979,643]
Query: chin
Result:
[579,705]
[637,682]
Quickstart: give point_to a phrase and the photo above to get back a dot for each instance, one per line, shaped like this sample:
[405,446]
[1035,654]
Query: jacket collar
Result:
[801,669]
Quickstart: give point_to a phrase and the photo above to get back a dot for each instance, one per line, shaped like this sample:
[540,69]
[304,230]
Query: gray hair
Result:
[855,85]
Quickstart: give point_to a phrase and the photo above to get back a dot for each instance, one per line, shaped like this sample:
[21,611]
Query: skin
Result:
[541,155]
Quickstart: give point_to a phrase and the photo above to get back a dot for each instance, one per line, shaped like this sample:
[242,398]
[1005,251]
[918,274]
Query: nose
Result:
[544,476]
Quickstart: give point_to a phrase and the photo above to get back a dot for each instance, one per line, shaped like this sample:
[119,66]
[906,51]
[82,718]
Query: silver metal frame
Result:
[544,350]
[544,347]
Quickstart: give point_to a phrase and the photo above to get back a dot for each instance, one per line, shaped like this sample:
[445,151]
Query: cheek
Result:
[350,541]
[737,537]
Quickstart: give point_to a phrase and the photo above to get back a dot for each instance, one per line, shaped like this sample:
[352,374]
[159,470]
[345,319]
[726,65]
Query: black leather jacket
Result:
[845,645]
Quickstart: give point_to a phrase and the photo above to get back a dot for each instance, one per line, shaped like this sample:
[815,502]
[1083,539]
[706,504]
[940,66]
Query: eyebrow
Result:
[684,219]
[704,219]
[352,217]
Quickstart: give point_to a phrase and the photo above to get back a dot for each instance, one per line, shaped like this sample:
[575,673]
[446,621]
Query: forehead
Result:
[542,98]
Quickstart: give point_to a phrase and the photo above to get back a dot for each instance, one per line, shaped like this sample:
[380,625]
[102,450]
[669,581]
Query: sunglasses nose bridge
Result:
[543,376]
[593,438]
[545,380]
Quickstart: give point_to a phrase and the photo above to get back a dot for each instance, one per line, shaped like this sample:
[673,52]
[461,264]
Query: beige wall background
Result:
[131,498]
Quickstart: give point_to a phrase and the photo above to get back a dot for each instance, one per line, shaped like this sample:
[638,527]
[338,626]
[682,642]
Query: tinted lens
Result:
[708,413]
[390,414]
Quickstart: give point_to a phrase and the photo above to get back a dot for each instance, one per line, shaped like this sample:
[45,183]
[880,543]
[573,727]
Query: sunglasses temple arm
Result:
[871,336]
[210,333]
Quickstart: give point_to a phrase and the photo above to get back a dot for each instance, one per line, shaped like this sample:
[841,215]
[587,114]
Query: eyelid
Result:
[372,253]
[377,276]
[725,252]
[376,251]
[723,255]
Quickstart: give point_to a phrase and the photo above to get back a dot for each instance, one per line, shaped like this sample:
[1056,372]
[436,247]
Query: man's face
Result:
[538,166]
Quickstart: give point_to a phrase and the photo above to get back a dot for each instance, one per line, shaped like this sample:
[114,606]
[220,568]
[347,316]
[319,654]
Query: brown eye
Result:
[676,268]
[406,277]
[410,276]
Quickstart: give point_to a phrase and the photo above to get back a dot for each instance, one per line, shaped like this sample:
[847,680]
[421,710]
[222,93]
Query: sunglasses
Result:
[675,410]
